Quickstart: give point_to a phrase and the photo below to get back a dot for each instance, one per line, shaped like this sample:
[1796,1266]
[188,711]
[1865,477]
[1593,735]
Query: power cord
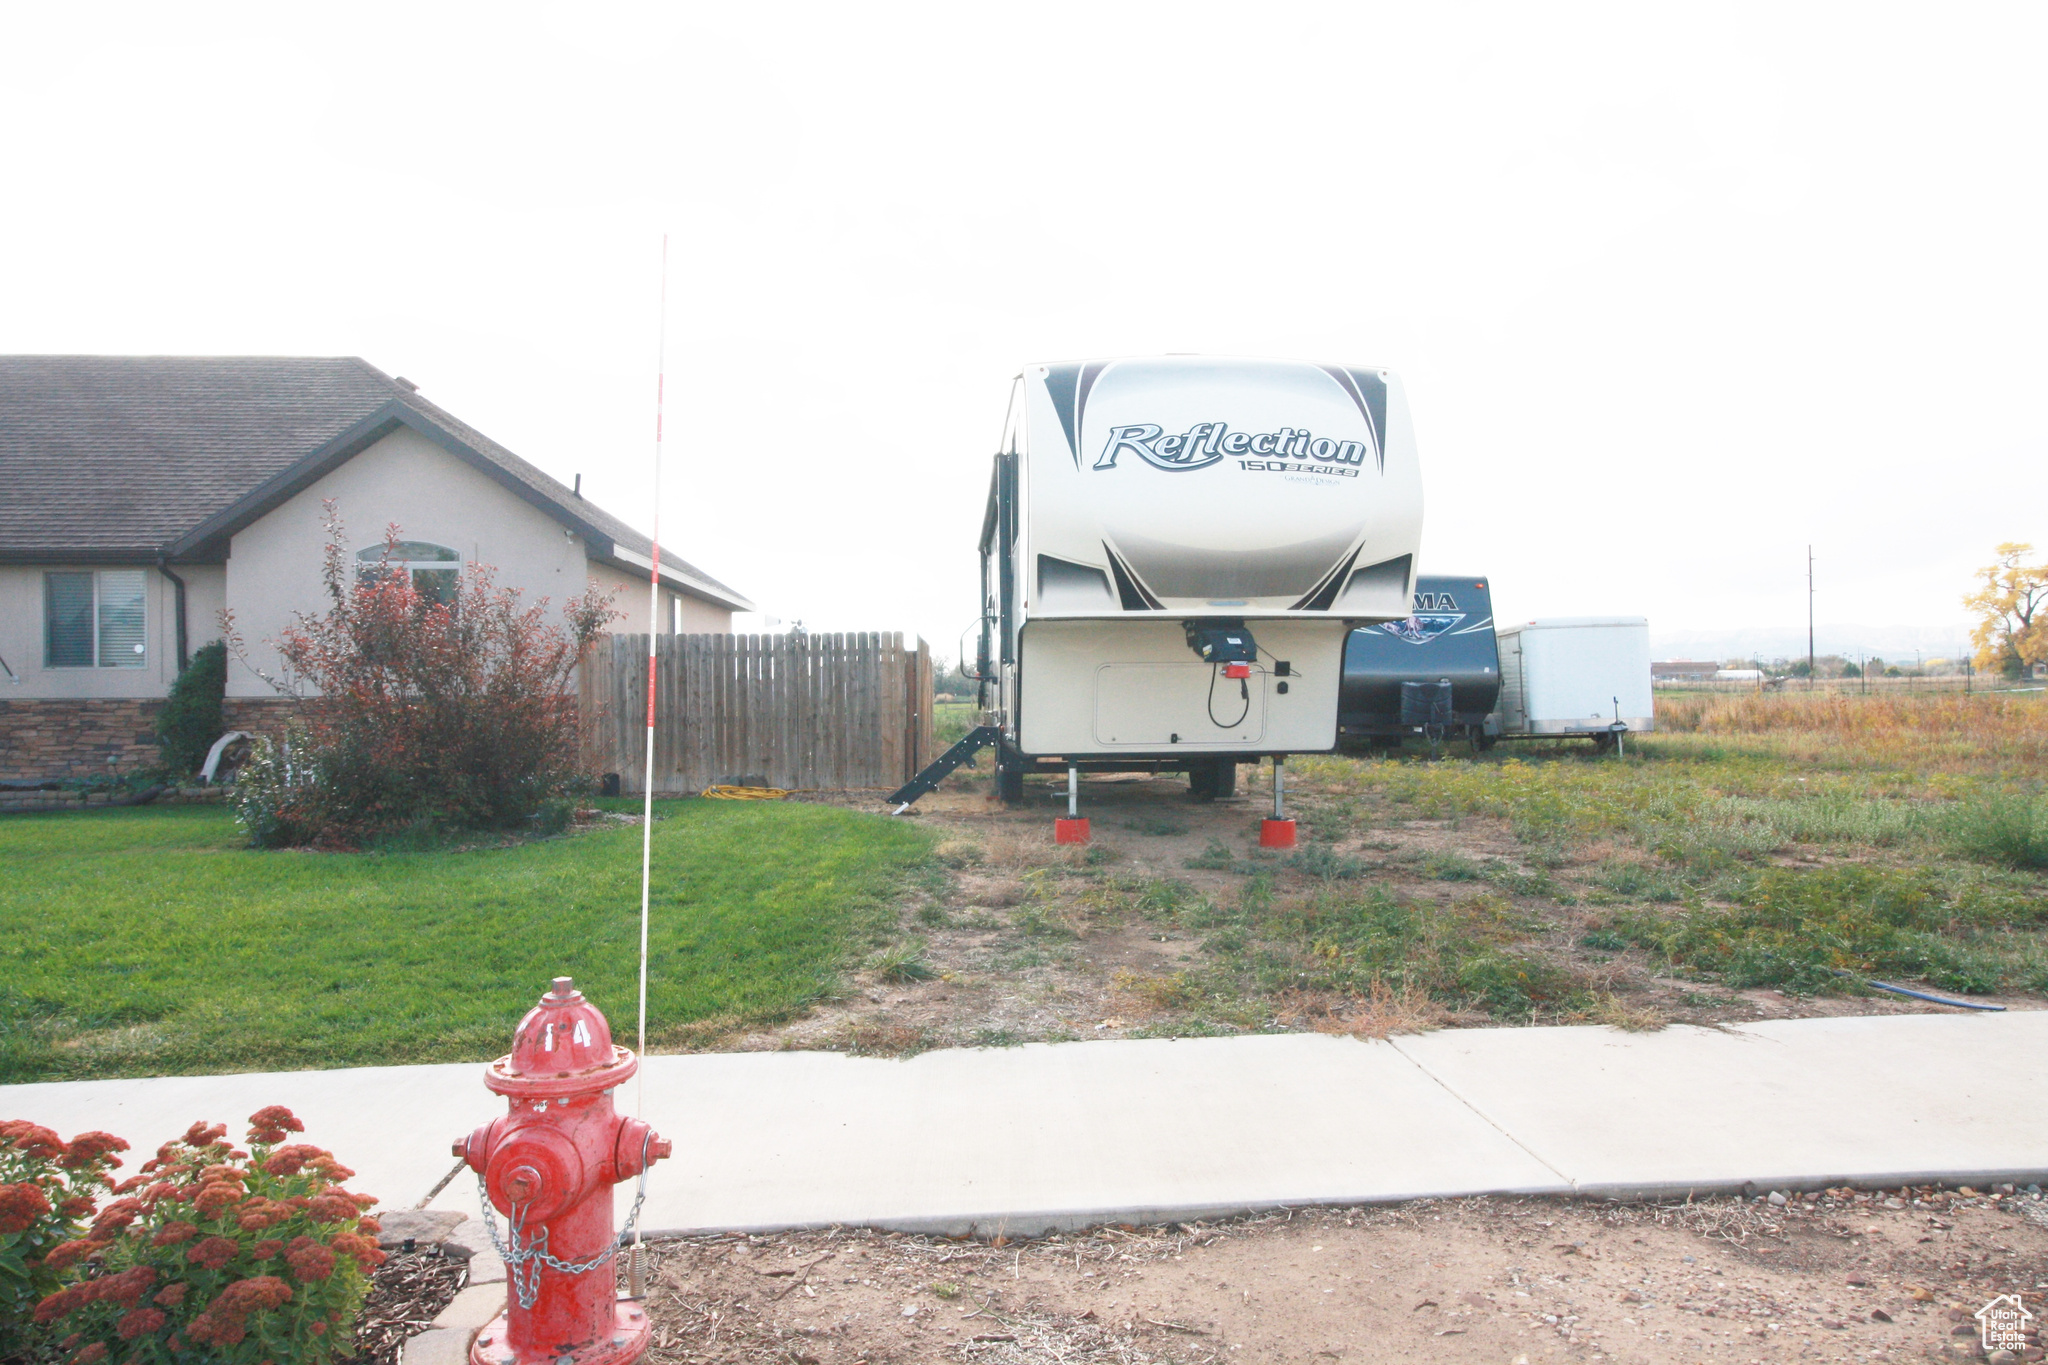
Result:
[1244,689]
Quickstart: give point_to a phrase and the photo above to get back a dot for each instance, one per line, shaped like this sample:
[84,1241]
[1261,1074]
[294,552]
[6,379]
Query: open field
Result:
[1840,1275]
[153,942]
[1758,860]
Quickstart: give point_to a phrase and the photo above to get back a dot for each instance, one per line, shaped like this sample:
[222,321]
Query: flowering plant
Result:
[48,1188]
[215,1254]
[430,710]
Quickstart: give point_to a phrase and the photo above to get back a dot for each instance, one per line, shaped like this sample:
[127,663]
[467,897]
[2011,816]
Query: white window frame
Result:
[369,559]
[139,656]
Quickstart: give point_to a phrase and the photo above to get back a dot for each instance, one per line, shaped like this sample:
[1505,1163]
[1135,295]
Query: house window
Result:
[433,567]
[94,619]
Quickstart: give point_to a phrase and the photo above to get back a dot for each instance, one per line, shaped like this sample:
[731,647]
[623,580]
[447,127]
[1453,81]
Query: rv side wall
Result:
[1131,687]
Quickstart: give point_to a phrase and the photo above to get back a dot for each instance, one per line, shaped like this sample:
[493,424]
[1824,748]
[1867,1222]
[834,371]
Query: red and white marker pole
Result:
[636,1268]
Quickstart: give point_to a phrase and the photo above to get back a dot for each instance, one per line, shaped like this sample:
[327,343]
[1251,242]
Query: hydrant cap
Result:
[563,1046]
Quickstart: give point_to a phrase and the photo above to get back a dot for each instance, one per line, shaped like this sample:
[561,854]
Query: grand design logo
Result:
[1205,443]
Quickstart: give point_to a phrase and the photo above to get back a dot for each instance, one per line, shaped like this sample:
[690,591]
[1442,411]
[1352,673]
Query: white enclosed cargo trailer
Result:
[1174,551]
[1576,675]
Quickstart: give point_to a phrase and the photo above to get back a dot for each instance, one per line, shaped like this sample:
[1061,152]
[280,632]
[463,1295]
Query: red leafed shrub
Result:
[421,716]
[48,1188]
[218,1254]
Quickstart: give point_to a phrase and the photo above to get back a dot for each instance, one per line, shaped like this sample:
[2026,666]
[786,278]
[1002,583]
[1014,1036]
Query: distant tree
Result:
[948,677]
[1850,670]
[2012,627]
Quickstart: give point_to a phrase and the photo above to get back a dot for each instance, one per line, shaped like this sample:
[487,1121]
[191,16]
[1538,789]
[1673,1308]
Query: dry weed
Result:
[1008,849]
[1949,731]
[1615,1012]
[1144,996]
[865,1039]
[1381,1012]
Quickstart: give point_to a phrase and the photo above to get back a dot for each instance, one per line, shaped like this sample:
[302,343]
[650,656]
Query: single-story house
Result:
[141,495]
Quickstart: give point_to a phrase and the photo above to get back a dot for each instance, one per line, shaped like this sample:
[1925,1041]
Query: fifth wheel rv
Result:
[1434,672]
[1173,552]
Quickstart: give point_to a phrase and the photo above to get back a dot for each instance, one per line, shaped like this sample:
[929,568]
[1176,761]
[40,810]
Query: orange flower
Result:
[289,1160]
[87,1148]
[64,1253]
[21,1205]
[116,1216]
[333,1207]
[271,1123]
[129,1285]
[140,1322]
[213,1253]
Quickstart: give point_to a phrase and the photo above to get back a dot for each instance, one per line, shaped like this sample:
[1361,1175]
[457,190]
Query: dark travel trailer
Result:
[1435,674]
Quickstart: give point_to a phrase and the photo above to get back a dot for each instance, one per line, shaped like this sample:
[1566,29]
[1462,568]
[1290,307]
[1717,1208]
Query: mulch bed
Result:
[406,1294]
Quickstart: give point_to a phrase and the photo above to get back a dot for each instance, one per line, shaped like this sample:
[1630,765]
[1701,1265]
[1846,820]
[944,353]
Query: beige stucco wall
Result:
[698,616]
[21,633]
[273,570]
[274,564]
[703,618]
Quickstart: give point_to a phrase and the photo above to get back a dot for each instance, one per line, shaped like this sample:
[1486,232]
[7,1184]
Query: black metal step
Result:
[979,738]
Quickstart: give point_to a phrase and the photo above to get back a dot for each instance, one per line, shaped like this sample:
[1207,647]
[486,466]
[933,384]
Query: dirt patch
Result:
[1142,933]
[1836,1276]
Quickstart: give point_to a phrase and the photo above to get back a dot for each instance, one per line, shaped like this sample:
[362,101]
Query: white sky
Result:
[1674,292]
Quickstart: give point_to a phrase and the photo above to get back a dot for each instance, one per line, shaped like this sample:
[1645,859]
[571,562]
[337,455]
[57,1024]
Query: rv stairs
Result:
[979,738]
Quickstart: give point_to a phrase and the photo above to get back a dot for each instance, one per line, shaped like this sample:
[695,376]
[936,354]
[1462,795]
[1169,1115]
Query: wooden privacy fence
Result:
[801,711]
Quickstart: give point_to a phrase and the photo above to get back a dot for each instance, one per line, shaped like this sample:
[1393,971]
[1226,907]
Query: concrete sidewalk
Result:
[1020,1140]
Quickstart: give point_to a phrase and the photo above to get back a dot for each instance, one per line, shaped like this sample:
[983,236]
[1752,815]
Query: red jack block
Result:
[1066,831]
[1276,834]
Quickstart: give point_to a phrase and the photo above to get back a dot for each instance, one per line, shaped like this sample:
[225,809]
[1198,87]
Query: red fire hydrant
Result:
[549,1166]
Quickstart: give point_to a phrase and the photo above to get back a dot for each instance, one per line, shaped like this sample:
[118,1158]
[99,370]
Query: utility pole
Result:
[1809,618]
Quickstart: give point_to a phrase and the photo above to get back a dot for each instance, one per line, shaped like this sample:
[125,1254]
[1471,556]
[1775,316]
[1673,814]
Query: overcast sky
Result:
[1674,292]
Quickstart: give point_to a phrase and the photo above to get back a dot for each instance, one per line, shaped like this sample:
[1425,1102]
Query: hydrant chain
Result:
[535,1254]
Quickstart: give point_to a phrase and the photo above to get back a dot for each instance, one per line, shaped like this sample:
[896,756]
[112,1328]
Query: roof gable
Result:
[117,458]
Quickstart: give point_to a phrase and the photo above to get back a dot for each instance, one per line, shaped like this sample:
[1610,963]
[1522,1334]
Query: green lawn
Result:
[153,942]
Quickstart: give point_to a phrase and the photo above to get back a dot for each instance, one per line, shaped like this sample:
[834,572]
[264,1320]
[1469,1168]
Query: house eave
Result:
[133,555]
[620,557]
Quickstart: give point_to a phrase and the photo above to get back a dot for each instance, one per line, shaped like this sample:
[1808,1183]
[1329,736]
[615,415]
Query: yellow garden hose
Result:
[722,793]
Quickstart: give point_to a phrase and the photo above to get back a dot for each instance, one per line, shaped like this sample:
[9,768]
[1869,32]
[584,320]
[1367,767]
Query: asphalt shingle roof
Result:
[119,456]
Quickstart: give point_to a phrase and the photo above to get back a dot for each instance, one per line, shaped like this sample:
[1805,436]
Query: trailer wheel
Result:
[1481,741]
[1210,780]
